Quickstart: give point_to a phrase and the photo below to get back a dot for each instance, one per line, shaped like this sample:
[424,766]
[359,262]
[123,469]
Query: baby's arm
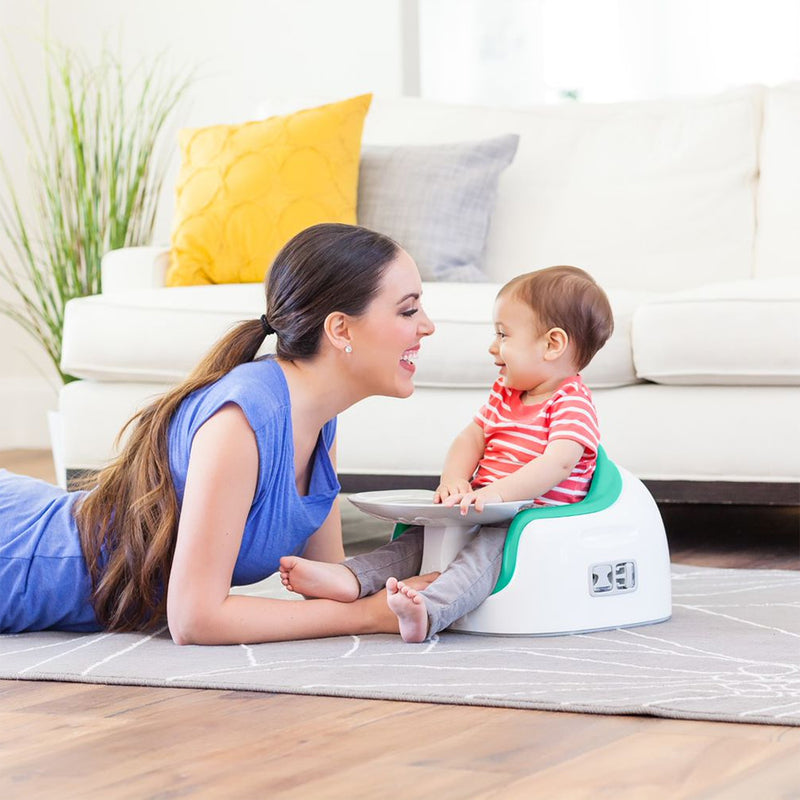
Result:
[530,480]
[460,463]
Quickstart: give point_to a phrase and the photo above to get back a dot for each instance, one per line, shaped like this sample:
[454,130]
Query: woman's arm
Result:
[220,485]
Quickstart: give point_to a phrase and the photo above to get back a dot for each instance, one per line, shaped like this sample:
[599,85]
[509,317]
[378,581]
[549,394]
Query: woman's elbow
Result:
[182,633]
[187,626]
[180,636]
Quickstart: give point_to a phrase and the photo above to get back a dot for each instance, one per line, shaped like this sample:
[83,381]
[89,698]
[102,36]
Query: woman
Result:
[229,470]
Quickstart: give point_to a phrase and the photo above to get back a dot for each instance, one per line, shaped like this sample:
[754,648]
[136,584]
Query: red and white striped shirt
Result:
[516,433]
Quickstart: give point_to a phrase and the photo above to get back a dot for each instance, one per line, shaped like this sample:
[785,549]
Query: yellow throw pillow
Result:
[244,190]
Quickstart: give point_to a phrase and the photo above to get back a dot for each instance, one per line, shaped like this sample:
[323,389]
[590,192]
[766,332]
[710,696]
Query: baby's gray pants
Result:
[462,587]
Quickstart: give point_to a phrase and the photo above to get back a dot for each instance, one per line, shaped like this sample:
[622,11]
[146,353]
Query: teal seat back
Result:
[604,491]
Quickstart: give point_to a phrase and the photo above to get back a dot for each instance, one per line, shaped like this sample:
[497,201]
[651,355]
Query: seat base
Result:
[561,633]
[578,574]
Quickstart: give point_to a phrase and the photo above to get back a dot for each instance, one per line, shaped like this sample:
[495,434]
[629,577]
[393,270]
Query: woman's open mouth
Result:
[408,359]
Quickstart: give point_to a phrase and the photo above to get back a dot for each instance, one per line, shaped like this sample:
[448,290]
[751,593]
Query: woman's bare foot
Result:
[319,579]
[409,607]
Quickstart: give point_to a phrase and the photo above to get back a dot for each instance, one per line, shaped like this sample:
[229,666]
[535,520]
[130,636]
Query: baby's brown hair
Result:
[568,298]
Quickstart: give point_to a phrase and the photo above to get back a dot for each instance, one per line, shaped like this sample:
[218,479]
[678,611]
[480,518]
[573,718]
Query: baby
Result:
[536,438]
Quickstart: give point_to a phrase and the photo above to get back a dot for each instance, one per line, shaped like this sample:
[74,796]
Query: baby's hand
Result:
[479,498]
[451,489]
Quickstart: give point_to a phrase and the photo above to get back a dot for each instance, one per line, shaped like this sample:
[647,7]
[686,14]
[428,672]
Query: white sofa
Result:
[686,211]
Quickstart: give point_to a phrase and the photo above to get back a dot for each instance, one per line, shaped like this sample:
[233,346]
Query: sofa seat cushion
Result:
[159,335]
[416,432]
[155,335]
[738,333]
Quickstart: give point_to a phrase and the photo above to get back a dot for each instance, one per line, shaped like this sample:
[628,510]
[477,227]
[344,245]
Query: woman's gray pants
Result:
[463,585]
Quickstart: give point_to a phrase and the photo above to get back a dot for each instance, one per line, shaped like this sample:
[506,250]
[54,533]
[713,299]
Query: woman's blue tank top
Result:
[43,578]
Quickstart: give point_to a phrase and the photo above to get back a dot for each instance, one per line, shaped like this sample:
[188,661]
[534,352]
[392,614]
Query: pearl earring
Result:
[348,348]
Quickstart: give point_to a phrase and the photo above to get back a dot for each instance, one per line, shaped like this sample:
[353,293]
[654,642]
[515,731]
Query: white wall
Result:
[523,52]
[253,58]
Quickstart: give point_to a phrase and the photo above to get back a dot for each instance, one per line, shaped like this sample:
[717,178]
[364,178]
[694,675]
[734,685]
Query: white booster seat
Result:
[593,565]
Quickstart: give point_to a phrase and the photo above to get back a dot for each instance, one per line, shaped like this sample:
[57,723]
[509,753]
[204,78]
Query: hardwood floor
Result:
[71,740]
[76,740]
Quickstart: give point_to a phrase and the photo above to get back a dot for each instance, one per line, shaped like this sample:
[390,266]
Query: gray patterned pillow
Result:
[436,201]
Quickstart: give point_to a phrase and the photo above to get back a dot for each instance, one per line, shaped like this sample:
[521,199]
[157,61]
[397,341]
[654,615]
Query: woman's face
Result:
[386,338]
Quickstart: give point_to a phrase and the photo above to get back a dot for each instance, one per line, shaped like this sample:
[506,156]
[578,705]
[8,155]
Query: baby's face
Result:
[519,344]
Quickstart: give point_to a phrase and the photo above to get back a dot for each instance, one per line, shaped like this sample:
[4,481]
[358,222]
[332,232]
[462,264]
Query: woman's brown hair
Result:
[128,522]
[568,298]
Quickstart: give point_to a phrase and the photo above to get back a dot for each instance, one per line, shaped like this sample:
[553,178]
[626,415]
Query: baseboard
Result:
[741,493]
[24,403]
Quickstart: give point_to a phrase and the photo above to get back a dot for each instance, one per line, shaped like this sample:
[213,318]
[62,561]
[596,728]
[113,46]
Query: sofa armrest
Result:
[134,268]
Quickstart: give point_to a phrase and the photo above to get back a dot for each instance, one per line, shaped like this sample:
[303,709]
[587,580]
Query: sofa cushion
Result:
[159,335]
[657,195]
[743,332]
[778,240]
[436,201]
[244,190]
[155,335]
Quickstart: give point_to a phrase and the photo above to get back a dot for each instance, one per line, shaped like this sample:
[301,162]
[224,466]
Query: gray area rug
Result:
[731,652]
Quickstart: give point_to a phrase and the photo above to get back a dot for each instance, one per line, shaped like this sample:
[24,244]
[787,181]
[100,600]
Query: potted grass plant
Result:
[94,171]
